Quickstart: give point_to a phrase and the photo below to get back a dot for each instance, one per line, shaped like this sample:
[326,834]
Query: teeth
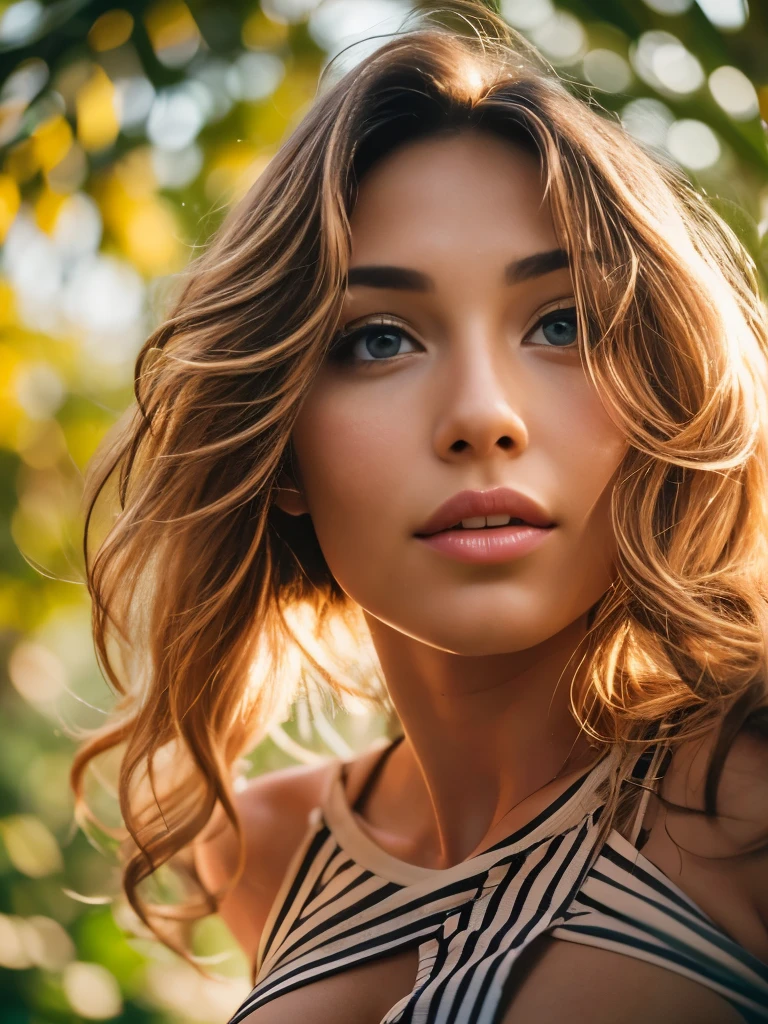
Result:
[479,522]
[499,520]
[474,523]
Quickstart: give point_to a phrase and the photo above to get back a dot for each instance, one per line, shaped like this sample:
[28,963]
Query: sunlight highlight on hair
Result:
[213,611]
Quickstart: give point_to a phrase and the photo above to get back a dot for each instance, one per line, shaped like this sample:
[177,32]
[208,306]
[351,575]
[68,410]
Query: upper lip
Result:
[485,503]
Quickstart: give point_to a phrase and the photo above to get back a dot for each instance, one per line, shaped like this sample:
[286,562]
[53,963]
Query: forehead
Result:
[467,194]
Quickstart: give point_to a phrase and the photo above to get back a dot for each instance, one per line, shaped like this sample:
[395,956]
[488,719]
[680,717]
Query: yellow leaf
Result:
[52,140]
[111,29]
[97,120]
[9,203]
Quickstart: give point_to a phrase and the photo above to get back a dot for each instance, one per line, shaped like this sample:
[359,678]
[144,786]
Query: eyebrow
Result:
[406,279]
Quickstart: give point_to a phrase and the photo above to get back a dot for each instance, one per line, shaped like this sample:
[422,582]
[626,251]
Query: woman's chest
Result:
[354,946]
[398,970]
[374,953]
[363,993]
[550,977]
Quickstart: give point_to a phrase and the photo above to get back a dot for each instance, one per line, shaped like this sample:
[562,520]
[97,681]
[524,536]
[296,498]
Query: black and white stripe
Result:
[345,901]
[626,904]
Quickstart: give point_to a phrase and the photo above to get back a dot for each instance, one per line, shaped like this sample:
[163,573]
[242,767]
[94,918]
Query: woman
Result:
[469,364]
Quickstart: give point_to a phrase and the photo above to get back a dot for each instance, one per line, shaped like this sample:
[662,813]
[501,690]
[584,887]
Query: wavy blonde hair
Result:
[195,575]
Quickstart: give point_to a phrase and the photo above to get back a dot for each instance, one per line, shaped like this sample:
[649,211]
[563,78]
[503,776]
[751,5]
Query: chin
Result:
[478,637]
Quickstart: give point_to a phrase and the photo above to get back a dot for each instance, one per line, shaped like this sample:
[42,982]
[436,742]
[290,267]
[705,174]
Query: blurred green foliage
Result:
[125,134]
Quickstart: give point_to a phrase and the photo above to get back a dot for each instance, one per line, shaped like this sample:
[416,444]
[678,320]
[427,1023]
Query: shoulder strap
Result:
[374,774]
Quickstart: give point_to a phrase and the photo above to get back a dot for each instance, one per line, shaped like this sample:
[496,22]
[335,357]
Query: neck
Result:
[483,734]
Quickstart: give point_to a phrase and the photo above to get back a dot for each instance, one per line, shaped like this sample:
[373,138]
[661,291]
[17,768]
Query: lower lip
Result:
[490,546]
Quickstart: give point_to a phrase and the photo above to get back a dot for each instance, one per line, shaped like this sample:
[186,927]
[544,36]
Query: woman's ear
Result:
[288,497]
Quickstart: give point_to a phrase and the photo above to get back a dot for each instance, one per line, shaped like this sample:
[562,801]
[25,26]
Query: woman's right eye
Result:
[371,343]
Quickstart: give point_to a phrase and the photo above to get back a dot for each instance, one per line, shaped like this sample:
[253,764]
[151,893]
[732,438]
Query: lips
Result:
[499,500]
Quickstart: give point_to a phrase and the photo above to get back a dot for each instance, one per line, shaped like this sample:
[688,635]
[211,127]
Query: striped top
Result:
[344,901]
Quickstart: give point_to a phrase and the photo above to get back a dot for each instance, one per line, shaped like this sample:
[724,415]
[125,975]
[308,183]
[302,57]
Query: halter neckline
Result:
[565,811]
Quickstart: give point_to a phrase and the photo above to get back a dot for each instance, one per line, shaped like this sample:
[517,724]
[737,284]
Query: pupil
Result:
[391,343]
[560,332]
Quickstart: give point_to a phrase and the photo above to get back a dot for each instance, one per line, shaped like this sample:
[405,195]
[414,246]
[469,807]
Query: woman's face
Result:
[464,388]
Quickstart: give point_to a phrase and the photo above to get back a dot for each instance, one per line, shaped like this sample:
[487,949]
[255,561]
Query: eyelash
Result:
[344,341]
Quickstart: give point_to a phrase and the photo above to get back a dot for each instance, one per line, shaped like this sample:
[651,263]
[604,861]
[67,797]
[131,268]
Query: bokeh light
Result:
[92,991]
[693,144]
[607,70]
[727,15]
[734,92]
[661,60]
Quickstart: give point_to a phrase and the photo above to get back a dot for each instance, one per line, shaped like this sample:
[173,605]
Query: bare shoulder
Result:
[273,810]
[742,796]
[599,986]
[708,858]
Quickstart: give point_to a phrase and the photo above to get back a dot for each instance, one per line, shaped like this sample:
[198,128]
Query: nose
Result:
[480,403]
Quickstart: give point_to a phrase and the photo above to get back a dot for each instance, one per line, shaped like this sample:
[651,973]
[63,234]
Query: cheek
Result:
[350,450]
[590,448]
[354,456]
[586,445]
